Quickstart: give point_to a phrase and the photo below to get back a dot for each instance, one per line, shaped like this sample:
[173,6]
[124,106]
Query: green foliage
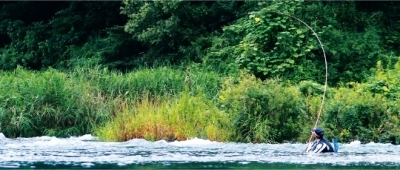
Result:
[385,80]
[263,111]
[176,30]
[40,44]
[368,111]
[112,50]
[353,54]
[270,44]
[310,88]
[357,115]
[261,37]
[351,38]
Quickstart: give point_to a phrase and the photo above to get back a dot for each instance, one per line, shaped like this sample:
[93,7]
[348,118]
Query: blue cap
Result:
[318,131]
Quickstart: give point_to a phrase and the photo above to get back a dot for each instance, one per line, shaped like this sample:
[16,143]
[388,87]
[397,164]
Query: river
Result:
[89,153]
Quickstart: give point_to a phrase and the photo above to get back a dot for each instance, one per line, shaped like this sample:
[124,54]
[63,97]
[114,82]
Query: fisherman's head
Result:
[317,132]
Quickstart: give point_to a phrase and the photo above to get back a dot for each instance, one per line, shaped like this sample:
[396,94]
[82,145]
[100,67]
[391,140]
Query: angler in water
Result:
[320,144]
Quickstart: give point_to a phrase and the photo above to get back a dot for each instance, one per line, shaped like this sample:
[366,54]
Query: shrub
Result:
[356,114]
[265,111]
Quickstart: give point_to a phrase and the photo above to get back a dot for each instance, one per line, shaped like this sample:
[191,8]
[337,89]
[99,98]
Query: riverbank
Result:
[173,104]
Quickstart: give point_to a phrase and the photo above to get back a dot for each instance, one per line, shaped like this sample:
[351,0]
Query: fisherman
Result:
[320,144]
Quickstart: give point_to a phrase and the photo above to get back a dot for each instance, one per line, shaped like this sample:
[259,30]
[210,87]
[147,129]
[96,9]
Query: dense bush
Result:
[366,111]
[354,114]
[264,111]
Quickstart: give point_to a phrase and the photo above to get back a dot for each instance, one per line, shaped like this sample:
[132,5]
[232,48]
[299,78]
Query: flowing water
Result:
[87,152]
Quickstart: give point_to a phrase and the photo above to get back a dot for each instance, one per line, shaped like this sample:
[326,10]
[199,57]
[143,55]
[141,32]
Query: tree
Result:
[174,30]
[270,43]
[38,39]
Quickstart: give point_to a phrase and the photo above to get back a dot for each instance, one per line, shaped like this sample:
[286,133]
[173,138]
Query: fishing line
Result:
[326,68]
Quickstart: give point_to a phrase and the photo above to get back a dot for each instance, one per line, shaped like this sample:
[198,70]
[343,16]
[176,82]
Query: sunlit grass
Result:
[182,118]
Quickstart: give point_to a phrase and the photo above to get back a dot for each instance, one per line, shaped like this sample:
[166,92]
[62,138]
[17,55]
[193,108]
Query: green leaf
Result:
[290,61]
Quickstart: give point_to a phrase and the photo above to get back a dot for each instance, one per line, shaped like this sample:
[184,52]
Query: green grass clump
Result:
[48,103]
[186,117]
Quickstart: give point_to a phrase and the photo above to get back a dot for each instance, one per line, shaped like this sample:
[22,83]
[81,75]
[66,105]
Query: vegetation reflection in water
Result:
[87,152]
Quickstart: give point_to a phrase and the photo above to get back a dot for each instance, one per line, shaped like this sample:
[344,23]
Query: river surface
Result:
[87,152]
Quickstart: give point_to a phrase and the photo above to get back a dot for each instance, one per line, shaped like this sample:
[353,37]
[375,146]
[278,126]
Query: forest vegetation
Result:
[242,71]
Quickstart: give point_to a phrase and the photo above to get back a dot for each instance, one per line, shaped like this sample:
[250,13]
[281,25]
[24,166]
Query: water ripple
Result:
[86,152]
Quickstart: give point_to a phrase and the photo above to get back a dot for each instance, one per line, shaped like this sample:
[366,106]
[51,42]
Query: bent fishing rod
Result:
[326,68]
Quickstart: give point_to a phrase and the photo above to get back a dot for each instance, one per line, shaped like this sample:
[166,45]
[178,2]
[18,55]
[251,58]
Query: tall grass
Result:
[190,115]
[161,81]
[73,103]
[49,103]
